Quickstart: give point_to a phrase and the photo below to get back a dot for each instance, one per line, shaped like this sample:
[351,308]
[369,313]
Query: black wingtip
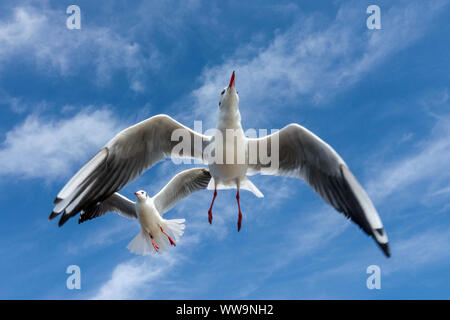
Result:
[206,172]
[63,219]
[385,248]
[53,215]
[82,218]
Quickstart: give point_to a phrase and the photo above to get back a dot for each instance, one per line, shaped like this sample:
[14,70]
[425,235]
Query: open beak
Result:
[231,81]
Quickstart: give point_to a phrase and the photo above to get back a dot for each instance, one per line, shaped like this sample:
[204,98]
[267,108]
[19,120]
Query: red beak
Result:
[136,194]
[231,81]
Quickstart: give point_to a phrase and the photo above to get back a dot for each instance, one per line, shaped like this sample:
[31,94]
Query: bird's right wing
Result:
[181,186]
[116,203]
[123,159]
[302,154]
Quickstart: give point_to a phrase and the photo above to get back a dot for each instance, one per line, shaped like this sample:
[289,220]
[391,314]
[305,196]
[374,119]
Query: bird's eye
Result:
[223,91]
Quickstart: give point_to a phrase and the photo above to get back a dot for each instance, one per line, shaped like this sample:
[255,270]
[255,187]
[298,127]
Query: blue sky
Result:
[379,97]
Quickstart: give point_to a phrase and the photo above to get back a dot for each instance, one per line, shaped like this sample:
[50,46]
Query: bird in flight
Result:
[300,154]
[156,233]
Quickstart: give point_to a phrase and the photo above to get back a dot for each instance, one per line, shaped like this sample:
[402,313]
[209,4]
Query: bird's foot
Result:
[210,216]
[240,213]
[239,221]
[172,242]
[210,208]
[168,237]
[154,245]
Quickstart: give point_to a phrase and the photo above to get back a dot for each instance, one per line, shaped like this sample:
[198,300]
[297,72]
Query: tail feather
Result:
[175,228]
[142,243]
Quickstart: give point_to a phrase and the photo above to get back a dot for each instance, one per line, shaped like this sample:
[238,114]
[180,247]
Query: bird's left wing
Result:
[123,159]
[181,186]
[116,203]
[303,155]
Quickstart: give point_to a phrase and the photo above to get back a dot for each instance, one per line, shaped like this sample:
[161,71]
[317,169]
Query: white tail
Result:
[246,184]
[175,228]
[142,243]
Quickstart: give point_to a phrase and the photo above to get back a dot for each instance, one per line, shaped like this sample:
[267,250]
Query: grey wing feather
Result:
[181,186]
[122,160]
[304,155]
[116,203]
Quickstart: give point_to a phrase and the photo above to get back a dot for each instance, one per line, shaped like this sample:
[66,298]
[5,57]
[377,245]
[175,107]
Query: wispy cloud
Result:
[40,37]
[130,278]
[312,230]
[105,235]
[310,63]
[412,253]
[49,147]
[421,249]
[428,161]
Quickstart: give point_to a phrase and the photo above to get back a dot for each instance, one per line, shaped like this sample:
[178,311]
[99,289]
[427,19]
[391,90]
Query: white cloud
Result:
[421,249]
[311,63]
[130,278]
[412,253]
[49,148]
[429,160]
[106,234]
[39,36]
[443,191]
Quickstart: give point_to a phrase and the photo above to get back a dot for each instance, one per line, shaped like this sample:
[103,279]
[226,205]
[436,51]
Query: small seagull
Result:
[301,154]
[156,233]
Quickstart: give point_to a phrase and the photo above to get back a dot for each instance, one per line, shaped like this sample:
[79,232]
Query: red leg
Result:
[240,213]
[210,208]
[170,239]
[154,244]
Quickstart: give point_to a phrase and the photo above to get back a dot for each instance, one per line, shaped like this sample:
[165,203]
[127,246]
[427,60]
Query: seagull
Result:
[301,154]
[156,232]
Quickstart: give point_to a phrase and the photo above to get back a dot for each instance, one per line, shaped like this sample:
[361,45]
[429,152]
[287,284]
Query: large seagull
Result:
[299,153]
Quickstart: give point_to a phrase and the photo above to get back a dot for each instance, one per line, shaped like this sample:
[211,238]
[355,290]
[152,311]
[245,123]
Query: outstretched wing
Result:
[181,186]
[123,159]
[303,155]
[116,203]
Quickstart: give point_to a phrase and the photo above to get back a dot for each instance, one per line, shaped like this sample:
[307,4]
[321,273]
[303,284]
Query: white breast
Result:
[235,159]
[148,216]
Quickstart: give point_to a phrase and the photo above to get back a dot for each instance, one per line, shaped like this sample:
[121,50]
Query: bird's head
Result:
[141,195]
[229,97]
